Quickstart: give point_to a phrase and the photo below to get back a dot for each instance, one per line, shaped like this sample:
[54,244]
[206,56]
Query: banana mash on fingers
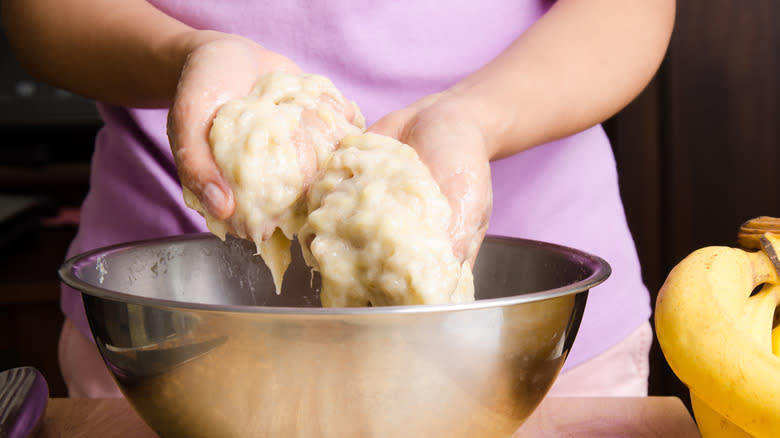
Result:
[367,212]
[269,146]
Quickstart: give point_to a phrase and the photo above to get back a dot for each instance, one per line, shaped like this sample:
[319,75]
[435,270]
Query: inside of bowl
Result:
[202,269]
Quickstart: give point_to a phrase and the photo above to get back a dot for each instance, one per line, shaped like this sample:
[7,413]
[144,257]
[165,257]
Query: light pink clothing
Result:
[384,55]
[621,371]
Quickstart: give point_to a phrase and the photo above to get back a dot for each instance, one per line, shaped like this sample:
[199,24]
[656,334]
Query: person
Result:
[507,96]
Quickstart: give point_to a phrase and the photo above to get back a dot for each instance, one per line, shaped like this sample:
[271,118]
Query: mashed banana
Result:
[377,229]
[373,222]
[256,142]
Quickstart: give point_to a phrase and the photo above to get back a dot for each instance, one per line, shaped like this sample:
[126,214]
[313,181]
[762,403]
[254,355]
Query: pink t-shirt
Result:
[384,55]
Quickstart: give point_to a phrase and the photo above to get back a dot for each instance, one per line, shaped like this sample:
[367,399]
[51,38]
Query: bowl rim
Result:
[600,271]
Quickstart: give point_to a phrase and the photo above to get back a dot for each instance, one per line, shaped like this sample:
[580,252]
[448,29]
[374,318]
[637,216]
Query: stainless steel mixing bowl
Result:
[202,346]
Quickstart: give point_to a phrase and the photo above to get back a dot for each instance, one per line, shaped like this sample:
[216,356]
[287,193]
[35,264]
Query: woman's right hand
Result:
[221,68]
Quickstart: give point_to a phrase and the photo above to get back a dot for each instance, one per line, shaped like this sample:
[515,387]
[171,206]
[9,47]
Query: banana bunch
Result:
[716,320]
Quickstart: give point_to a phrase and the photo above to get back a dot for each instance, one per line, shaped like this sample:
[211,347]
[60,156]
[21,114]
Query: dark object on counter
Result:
[23,397]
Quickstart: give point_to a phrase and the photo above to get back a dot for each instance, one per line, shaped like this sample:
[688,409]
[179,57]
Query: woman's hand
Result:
[214,72]
[220,70]
[448,140]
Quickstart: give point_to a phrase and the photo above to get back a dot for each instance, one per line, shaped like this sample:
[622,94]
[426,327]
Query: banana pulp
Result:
[366,210]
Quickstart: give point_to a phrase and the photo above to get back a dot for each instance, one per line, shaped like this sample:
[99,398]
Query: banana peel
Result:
[715,321]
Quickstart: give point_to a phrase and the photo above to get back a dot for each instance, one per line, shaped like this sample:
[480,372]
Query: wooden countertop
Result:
[650,417]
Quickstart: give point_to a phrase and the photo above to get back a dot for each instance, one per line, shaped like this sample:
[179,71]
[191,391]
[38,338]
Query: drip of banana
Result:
[716,320]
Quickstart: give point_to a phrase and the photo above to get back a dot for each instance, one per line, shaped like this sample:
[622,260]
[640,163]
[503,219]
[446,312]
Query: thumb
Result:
[392,125]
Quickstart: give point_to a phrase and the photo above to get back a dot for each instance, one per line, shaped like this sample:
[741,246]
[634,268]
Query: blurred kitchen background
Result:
[698,154]
[46,141]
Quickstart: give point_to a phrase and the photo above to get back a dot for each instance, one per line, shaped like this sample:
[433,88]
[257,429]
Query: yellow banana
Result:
[714,425]
[715,329]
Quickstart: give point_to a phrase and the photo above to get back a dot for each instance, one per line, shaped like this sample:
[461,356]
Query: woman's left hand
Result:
[452,145]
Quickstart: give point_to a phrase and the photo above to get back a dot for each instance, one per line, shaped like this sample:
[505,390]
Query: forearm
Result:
[125,52]
[577,66]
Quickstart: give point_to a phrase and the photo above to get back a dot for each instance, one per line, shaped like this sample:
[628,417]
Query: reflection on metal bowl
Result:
[202,346]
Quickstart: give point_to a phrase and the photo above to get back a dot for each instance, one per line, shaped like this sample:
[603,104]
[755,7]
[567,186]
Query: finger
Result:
[195,161]
[190,118]
[307,156]
[214,73]
[454,153]
[472,250]
[346,108]
[393,124]
[467,207]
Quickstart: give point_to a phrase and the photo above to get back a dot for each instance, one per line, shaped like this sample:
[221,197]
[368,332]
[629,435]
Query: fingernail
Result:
[215,200]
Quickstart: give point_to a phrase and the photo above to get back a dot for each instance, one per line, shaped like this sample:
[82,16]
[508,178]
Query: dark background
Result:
[696,152]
